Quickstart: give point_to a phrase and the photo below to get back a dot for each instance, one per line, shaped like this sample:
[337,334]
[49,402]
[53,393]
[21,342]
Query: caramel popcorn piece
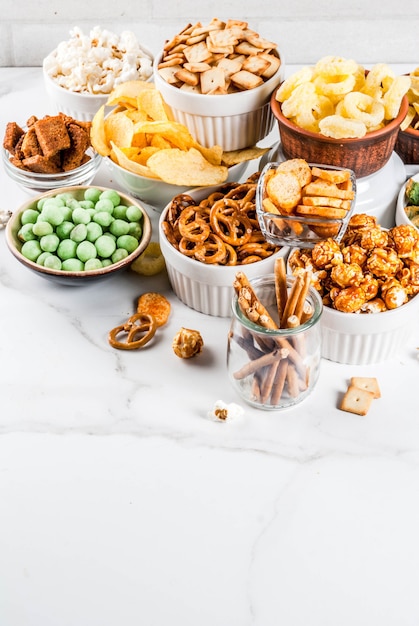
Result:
[187,343]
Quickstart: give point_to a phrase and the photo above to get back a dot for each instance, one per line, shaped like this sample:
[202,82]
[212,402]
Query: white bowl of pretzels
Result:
[223,98]
[206,236]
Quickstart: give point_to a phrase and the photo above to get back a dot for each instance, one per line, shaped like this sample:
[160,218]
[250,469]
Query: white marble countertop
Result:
[122,503]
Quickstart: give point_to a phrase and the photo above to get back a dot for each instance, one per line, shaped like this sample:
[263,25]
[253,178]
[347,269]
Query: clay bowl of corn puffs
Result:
[336,112]
[407,144]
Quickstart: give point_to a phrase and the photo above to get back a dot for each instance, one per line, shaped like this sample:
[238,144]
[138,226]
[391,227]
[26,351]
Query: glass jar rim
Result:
[312,295]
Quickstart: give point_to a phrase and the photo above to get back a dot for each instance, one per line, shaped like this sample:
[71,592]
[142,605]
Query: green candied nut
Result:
[120,212]
[72,265]
[128,242]
[94,231]
[53,213]
[72,204]
[79,233]
[49,243]
[86,204]
[42,228]
[25,233]
[134,213]
[68,213]
[112,195]
[81,216]
[93,264]
[105,246]
[86,250]
[67,249]
[57,199]
[29,216]
[92,194]
[104,205]
[64,196]
[136,230]
[106,262]
[52,262]
[41,259]
[31,250]
[103,218]
[119,227]
[119,255]
[63,230]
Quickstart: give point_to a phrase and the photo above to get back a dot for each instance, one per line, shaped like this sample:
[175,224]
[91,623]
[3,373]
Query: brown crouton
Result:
[52,135]
[12,135]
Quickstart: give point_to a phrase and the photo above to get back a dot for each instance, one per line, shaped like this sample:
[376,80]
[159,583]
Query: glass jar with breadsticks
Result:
[300,203]
[274,342]
[337,112]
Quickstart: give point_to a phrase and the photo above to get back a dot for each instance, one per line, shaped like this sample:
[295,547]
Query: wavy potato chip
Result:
[186,168]
[127,93]
[98,135]
[124,161]
[119,129]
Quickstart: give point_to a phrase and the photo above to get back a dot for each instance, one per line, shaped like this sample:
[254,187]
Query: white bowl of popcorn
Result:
[80,73]
[225,101]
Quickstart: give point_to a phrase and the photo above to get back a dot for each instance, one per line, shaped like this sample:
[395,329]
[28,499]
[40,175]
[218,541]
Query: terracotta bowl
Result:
[407,146]
[364,156]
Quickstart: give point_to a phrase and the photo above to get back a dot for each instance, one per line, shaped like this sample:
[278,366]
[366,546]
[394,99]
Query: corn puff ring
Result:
[361,106]
[302,97]
[292,82]
[375,80]
[339,127]
[334,86]
[335,66]
[393,96]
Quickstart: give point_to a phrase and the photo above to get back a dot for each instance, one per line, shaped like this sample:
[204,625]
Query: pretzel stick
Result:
[281,290]
[293,298]
[299,308]
[307,312]
[252,366]
[279,382]
[292,381]
[268,382]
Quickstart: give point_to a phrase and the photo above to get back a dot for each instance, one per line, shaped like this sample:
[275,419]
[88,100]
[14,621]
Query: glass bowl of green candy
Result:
[76,235]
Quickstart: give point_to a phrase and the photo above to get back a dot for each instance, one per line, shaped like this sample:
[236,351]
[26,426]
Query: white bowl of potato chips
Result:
[203,253]
[337,113]
[219,84]
[154,157]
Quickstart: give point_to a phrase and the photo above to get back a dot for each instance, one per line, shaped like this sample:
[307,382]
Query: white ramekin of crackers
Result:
[206,236]
[217,79]
[369,285]
[300,203]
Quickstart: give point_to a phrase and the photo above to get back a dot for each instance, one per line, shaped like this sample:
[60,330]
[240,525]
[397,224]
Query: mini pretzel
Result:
[230,224]
[137,324]
[192,227]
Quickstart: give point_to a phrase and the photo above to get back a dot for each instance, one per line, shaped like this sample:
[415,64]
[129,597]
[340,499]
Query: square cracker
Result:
[368,383]
[356,400]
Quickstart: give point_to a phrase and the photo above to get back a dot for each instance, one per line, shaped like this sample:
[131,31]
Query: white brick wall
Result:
[305,30]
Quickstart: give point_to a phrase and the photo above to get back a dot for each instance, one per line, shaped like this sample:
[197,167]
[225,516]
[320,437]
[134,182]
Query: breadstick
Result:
[299,307]
[281,290]
[292,381]
[293,298]
[252,366]
[268,382]
[279,382]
